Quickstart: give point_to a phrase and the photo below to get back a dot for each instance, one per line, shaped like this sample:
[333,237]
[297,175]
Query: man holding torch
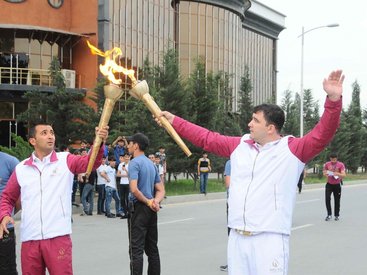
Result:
[265,167]
[43,182]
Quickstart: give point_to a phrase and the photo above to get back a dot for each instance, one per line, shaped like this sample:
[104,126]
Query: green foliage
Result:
[348,140]
[291,110]
[245,102]
[21,151]
[355,128]
[187,186]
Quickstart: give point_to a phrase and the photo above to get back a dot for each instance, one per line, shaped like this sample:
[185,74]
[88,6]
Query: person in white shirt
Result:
[157,163]
[122,173]
[101,185]
[109,174]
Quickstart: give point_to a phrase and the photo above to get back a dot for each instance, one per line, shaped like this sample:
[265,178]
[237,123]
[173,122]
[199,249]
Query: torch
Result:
[112,94]
[140,90]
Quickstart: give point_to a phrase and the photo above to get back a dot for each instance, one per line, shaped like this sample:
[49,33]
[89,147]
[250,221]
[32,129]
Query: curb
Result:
[171,200]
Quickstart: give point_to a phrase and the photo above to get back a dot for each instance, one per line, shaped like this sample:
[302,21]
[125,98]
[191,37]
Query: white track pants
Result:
[261,254]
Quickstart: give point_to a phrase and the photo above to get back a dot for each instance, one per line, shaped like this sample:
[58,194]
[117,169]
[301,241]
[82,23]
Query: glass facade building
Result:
[228,35]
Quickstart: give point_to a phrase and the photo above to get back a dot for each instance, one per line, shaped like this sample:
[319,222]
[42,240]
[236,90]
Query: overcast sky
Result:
[325,49]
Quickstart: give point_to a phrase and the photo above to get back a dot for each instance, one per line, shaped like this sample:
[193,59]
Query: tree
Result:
[245,101]
[21,151]
[364,155]
[69,115]
[310,111]
[355,125]
[290,108]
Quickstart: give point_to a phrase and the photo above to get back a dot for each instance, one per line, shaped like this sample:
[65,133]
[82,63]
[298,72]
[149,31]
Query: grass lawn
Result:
[313,178]
[187,186]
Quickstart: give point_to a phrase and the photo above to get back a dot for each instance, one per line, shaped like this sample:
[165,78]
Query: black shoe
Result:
[110,215]
[75,204]
[223,267]
[120,215]
[124,216]
[336,218]
[328,218]
[89,214]
[99,213]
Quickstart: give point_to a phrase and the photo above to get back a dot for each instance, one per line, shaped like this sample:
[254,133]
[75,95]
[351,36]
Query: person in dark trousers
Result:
[147,191]
[88,194]
[8,265]
[101,184]
[300,181]
[334,171]
[122,173]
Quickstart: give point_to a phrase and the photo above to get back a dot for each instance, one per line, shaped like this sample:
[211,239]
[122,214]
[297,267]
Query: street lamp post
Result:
[302,35]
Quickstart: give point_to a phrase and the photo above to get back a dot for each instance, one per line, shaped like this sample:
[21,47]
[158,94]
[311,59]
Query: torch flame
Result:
[110,66]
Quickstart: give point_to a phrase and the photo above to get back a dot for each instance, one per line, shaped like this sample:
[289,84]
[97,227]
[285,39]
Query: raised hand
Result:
[333,85]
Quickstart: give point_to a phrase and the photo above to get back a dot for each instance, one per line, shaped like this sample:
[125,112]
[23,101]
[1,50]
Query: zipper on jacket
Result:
[275,197]
[62,207]
[248,189]
[41,204]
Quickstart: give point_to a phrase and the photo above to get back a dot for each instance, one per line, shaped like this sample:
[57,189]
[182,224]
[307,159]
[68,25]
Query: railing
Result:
[22,76]
[18,76]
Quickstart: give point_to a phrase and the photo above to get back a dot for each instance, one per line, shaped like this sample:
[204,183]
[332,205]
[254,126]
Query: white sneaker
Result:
[328,218]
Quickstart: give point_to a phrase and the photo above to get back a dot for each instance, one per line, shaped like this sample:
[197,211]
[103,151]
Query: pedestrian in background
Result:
[204,167]
[334,171]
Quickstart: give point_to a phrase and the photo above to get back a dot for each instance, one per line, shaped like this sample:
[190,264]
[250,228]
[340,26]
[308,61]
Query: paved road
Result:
[192,237]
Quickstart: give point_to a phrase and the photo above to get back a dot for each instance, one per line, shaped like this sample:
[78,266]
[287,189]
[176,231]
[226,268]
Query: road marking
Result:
[169,204]
[307,201]
[301,226]
[183,220]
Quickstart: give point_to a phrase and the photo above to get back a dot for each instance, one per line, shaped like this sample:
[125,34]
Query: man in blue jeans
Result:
[147,192]
[204,168]
[88,194]
[109,174]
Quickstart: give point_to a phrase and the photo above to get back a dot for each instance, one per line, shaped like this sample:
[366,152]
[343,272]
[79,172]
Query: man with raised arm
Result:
[265,168]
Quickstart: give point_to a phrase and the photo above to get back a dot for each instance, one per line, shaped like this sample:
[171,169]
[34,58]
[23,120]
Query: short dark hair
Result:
[273,114]
[32,129]
[140,139]
[333,155]
[63,147]
[111,158]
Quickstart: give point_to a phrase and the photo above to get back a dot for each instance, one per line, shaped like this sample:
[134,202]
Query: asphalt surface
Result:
[193,236]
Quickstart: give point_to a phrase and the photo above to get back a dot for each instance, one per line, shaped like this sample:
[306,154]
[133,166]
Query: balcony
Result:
[25,79]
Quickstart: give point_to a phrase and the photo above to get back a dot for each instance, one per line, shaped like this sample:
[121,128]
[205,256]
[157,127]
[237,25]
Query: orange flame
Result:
[110,66]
